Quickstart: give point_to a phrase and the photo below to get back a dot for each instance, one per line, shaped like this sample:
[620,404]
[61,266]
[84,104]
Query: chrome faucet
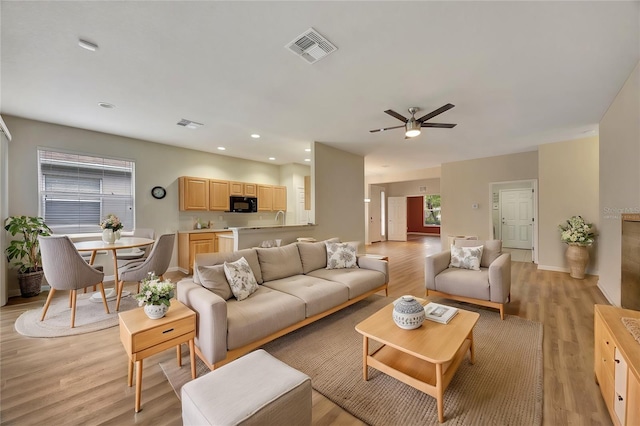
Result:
[278,214]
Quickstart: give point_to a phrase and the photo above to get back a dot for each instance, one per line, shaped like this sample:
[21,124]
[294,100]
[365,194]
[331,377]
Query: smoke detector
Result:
[189,124]
[311,46]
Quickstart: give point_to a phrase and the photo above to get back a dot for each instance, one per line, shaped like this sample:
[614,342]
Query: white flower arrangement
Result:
[577,232]
[155,292]
[111,222]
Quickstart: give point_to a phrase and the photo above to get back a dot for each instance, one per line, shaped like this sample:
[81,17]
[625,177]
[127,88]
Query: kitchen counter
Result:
[253,236]
[196,231]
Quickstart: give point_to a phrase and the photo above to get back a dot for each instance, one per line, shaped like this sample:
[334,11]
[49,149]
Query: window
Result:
[431,210]
[76,191]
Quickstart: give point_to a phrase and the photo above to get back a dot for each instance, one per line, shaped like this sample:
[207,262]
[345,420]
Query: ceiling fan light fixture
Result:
[412,128]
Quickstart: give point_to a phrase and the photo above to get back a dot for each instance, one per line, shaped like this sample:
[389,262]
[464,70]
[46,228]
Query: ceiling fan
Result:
[413,125]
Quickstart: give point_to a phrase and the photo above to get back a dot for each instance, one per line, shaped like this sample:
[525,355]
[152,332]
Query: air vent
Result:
[422,189]
[189,124]
[311,46]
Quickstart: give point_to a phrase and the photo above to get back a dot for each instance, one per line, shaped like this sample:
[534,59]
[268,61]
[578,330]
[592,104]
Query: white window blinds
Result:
[77,191]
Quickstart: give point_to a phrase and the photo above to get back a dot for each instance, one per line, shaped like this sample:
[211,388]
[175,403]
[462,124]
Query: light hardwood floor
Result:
[82,379]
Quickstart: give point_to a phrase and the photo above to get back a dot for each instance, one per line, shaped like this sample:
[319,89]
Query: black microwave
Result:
[243,204]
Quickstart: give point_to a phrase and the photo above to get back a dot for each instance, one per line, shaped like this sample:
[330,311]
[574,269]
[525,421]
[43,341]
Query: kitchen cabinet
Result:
[307,192]
[225,242]
[617,364]
[218,195]
[279,198]
[265,198]
[194,193]
[242,189]
[250,190]
[192,243]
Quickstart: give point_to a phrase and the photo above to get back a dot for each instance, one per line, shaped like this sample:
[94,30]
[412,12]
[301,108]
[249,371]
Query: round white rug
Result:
[90,316]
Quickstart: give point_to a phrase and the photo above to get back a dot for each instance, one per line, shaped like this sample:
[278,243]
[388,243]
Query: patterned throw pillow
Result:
[341,255]
[466,257]
[241,279]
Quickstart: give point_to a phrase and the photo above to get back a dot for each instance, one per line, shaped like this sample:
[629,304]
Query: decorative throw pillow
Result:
[241,279]
[214,279]
[466,257]
[341,255]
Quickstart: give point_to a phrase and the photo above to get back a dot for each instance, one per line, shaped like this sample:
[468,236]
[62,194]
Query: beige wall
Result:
[292,176]
[464,183]
[619,179]
[338,195]
[155,164]
[412,188]
[568,186]
[429,173]
[4,210]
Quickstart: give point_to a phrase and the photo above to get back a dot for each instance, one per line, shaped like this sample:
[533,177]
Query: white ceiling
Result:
[520,73]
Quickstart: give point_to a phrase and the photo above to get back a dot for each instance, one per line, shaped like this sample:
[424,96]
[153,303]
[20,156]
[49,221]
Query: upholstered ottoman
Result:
[256,389]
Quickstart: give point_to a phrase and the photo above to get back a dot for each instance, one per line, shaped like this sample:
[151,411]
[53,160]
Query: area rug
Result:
[90,316]
[503,387]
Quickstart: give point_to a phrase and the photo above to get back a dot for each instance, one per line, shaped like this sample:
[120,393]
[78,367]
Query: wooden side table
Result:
[143,337]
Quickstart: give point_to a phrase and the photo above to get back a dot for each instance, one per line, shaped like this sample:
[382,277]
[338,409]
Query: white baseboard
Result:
[606,295]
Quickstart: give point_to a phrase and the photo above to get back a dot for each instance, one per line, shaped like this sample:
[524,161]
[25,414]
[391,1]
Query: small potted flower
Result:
[578,235]
[155,296]
[111,227]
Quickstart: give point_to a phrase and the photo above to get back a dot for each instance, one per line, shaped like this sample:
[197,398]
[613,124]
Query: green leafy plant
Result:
[25,252]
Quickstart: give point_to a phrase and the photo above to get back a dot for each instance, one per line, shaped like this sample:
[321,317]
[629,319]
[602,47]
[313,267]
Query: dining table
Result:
[94,246]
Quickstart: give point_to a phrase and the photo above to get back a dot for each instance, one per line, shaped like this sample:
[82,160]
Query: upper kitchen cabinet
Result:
[265,198]
[219,195]
[279,198]
[242,189]
[194,193]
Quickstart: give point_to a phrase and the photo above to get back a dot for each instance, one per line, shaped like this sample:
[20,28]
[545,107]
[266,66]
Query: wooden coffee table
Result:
[425,358]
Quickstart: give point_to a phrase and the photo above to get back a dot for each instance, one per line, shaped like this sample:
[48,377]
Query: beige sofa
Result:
[490,286]
[295,289]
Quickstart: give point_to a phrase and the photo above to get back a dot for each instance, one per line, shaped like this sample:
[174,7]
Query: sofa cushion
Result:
[341,255]
[314,255]
[318,295]
[214,279]
[265,312]
[240,278]
[358,280]
[210,259]
[464,282]
[466,257]
[279,262]
[491,250]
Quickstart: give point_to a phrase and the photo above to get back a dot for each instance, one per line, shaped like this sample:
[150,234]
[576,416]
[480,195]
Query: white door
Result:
[302,214]
[516,206]
[375,228]
[397,223]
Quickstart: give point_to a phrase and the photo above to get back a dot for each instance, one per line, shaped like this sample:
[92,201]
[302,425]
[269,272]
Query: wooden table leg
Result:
[179,355]
[365,353]
[472,353]
[115,268]
[138,384]
[439,393]
[130,373]
[192,357]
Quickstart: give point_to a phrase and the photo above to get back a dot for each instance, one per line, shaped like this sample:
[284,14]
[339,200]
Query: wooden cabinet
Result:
[279,198]
[192,243]
[617,364]
[218,195]
[265,198]
[307,192]
[224,242]
[250,190]
[242,189]
[194,193]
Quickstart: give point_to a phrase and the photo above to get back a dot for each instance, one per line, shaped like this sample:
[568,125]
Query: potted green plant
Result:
[24,253]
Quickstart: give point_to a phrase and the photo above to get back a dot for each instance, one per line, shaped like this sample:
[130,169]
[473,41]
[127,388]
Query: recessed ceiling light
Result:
[307,149]
[272,158]
[307,159]
[87,45]
[255,136]
[189,124]
[221,148]
[106,105]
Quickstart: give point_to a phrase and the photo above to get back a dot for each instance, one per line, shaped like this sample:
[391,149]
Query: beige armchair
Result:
[490,286]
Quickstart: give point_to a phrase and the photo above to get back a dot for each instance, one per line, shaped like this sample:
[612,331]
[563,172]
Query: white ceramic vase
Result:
[117,234]
[156,311]
[108,236]
[408,313]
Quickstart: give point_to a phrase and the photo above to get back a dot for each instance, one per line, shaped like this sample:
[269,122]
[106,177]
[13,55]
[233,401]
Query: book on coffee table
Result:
[440,313]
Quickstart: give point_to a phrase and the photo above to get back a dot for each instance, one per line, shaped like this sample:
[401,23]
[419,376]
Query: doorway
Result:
[375,213]
[397,221]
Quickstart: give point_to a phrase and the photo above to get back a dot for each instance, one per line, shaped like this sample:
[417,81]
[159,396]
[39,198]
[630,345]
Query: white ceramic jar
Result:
[408,313]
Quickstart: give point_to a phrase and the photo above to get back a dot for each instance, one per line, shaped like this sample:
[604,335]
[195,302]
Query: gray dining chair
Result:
[65,269]
[128,255]
[157,262]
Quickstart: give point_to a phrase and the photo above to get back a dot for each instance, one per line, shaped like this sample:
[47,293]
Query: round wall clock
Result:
[158,192]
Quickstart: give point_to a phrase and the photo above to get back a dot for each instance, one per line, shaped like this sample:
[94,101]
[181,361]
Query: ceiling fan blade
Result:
[396,115]
[439,125]
[386,128]
[438,111]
